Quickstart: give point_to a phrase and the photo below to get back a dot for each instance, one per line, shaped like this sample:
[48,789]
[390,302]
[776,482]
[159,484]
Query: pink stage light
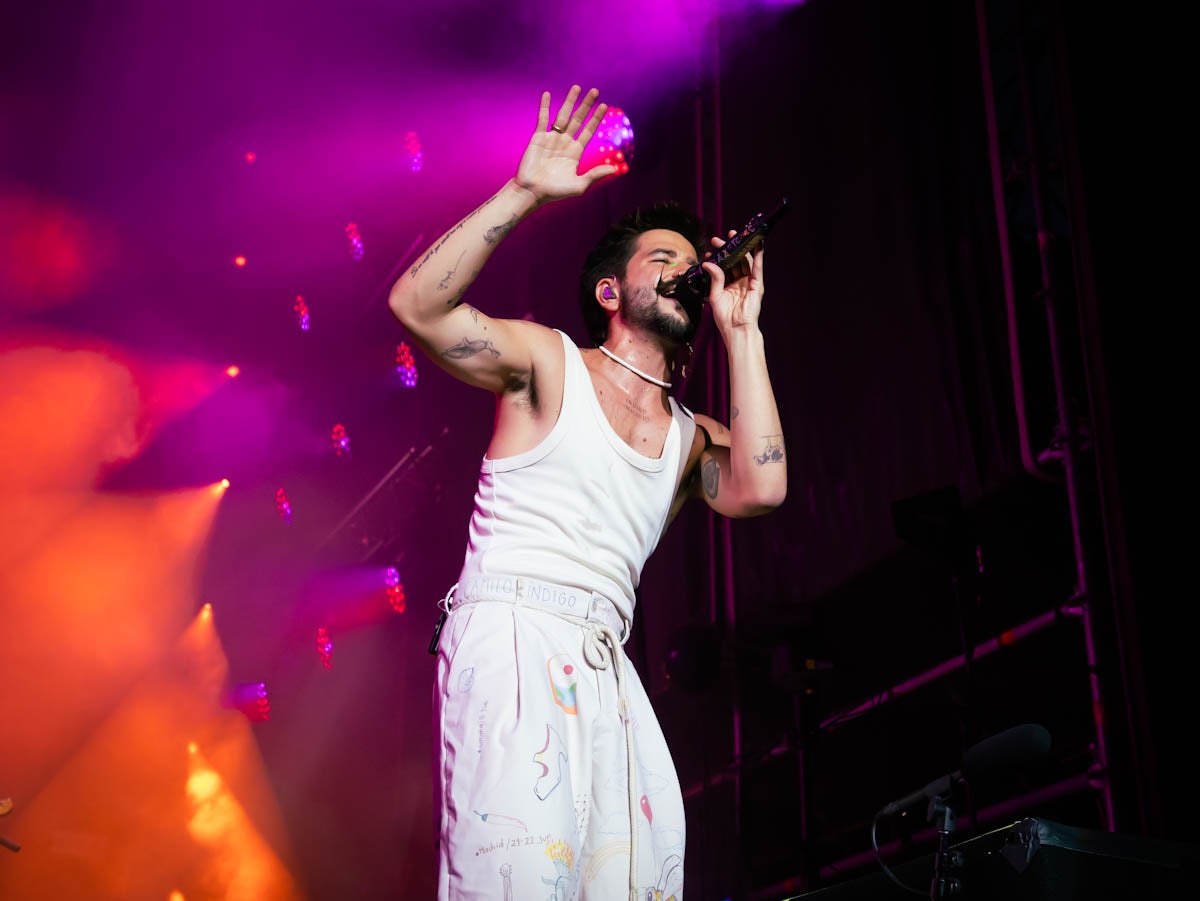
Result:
[282,506]
[49,252]
[251,156]
[612,145]
[239,261]
[233,371]
[251,699]
[356,242]
[406,365]
[341,441]
[395,590]
[301,309]
[325,648]
[413,153]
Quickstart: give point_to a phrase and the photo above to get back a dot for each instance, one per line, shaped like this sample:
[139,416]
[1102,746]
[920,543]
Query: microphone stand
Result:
[947,864]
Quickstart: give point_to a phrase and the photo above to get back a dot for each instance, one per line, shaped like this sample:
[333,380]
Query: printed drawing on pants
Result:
[551,759]
[670,880]
[466,679]
[499,819]
[667,835]
[601,856]
[617,822]
[564,679]
[563,856]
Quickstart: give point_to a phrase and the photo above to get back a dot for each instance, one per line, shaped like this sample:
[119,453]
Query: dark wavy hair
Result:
[612,253]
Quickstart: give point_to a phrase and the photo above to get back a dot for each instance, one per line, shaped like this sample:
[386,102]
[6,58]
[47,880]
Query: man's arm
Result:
[495,353]
[743,468]
[427,299]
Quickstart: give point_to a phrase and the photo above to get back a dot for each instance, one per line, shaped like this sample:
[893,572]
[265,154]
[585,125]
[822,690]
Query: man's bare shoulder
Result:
[544,343]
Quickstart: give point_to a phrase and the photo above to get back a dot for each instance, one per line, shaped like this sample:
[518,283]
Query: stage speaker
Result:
[1040,860]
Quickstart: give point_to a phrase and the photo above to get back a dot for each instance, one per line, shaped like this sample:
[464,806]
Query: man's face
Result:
[660,255]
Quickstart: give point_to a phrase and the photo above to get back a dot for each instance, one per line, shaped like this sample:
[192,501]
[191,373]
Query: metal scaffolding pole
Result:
[1068,434]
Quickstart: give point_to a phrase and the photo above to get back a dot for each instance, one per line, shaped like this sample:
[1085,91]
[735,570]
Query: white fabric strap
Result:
[687,434]
[573,604]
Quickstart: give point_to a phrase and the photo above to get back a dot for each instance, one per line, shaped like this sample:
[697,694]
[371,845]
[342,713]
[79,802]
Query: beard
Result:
[640,307]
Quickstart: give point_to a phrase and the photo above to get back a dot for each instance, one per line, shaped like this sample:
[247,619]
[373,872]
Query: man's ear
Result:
[607,293]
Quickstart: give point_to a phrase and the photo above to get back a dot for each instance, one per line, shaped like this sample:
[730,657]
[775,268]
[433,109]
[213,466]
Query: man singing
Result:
[554,779]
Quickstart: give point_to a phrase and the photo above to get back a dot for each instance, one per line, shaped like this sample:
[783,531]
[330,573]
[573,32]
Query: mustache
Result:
[693,304]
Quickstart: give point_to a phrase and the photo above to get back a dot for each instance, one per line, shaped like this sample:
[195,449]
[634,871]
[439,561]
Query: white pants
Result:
[532,774]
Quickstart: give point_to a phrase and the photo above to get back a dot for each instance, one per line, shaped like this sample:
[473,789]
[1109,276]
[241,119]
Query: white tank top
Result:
[582,509]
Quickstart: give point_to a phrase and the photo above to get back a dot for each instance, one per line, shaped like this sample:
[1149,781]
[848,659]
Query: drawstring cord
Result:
[601,646]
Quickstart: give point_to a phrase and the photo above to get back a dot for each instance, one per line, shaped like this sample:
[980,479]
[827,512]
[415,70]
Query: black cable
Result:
[890,875]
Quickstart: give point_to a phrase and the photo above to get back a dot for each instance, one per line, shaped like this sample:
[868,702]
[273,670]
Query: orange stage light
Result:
[117,402]
[130,814]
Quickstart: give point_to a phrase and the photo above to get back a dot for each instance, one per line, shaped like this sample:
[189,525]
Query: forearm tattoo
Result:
[429,255]
[469,347]
[445,282]
[496,232]
[772,452]
[710,474]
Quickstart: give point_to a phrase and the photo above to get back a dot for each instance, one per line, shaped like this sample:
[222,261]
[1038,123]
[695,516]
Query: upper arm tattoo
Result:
[469,347]
[710,474]
[772,452]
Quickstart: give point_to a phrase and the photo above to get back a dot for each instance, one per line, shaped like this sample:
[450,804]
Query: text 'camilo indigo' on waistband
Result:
[561,600]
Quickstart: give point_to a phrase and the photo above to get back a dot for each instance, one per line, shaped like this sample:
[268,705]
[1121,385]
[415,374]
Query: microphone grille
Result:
[1012,747]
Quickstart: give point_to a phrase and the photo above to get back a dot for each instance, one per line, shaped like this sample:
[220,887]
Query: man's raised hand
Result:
[549,168]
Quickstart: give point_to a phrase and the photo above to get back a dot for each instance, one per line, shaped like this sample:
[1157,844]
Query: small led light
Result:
[325,648]
[340,440]
[406,365]
[413,153]
[356,241]
[395,590]
[283,506]
[301,309]
[251,699]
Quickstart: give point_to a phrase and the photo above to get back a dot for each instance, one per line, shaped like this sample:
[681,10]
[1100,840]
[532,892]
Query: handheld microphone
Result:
[693,285]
